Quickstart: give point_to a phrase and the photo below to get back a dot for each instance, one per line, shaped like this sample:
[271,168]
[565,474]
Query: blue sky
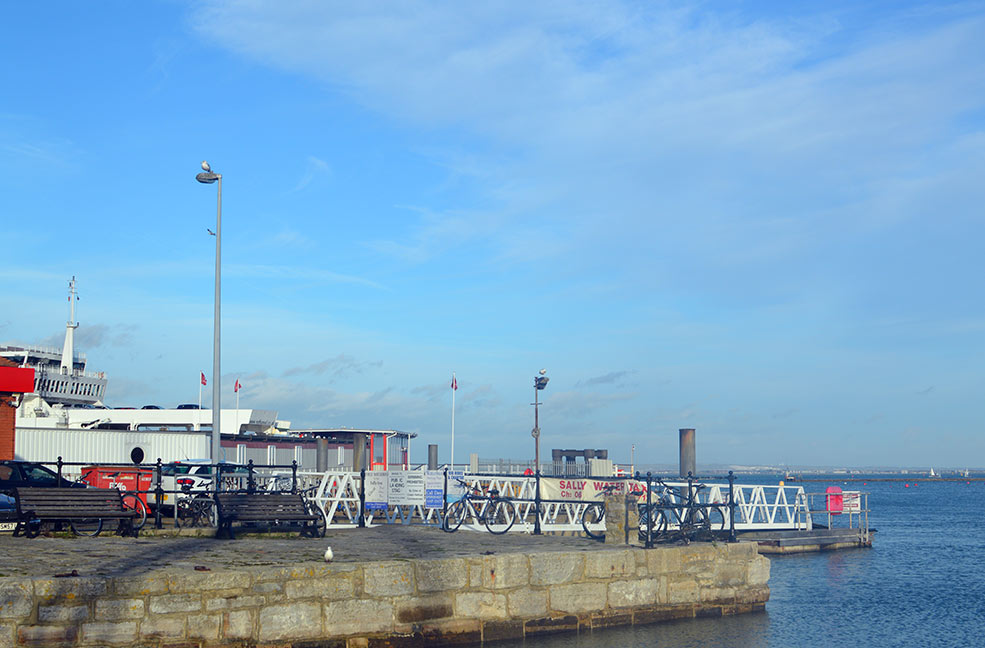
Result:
[761,220]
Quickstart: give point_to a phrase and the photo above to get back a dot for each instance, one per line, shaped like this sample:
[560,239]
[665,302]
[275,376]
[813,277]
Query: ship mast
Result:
[68,351]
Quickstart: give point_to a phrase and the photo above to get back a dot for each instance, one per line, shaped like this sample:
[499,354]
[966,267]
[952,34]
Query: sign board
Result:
[581,489]
[852,502]
[455,490]
[376,488]
[434,489]
[406,488]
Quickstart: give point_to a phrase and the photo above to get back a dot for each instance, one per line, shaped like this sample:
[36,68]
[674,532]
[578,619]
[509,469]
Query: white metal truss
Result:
[758,507]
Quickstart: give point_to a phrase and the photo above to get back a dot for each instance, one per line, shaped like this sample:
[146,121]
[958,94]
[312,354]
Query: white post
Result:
[454,388]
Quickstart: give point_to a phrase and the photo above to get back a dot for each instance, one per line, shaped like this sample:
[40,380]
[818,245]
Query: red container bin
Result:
[836,501]
[129,479]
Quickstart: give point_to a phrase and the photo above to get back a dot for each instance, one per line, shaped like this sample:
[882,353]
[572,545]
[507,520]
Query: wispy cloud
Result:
[338,367]
[611,378]
[314,168]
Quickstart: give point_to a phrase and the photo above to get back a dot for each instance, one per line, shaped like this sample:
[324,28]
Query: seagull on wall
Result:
[329,555]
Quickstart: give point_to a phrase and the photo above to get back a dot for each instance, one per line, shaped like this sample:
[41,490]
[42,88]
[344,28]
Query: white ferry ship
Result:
[66,417]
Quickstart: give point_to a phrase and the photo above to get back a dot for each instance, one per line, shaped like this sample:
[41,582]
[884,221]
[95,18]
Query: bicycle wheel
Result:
[591,518]
[500,516]
[716,517]
[455,516]
[89,527]
[319,527]
[659,523]
[131,502]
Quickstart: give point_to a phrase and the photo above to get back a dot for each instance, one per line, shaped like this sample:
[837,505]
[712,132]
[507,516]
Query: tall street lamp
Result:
[540,382]
[207,177]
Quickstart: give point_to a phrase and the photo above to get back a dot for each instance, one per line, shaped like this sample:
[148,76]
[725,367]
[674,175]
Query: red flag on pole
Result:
[454,382]
[236,386]
[204,382]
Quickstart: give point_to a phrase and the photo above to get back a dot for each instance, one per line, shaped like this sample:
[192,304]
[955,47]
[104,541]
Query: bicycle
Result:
[672,518]
[594,514]
[497,513]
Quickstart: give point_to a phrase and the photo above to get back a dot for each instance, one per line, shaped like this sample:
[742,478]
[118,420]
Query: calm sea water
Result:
[922,584]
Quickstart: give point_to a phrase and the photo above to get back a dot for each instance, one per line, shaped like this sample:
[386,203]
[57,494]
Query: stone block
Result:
[119,609]
[610,563]
[577,597]
[446,631]
[171,603]
[525,603]
[332,587]
[441,575]
[8,635]
[357,616]
[568,623]
[708,611]
[480,605]
[299,620]
[63,613]
[475,574]
[183,583]
[163,627]
[101,633]
[611,619]
[237,624]
[682,590]
[204,626]
[499,630]
[417,609]
[634,593]
[268,588]
[140,585]
[730,572]
[47,635]
[233,603]
[759,594]
[388,578]
[663,560]
[556,568]
[759,571]
[505,571]
[662,613]
[720,595]
[69,589]
[16,599]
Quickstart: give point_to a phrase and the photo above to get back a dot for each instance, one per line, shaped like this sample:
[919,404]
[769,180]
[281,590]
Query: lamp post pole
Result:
[540,382]
[207,177]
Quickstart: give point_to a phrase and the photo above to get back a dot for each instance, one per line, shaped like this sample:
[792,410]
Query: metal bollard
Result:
[158,496]
[251,482]
[537,502]
[649,511]
[362,498]
[59,469]
[294,476]
[731,507]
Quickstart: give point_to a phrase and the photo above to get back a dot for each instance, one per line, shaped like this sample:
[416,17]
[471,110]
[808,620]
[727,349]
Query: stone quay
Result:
[387,586]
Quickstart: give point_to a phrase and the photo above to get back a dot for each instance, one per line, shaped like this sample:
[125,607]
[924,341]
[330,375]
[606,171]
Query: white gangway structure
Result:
[757,507]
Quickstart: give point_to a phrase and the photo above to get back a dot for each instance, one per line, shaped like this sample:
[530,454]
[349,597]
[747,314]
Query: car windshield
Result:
[40,475]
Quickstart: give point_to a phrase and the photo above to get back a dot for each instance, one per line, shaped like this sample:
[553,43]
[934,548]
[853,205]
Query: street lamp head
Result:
[207,178]
[541,382]
[206,167]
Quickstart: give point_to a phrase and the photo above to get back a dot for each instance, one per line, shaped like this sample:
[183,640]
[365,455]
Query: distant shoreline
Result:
[887,479]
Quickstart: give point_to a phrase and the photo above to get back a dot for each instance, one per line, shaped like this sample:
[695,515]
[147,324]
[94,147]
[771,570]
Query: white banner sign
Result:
[406,488]
[582,489]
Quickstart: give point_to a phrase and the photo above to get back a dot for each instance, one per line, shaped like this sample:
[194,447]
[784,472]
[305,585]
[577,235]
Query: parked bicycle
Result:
[676,514]
[594,515]
[497,513]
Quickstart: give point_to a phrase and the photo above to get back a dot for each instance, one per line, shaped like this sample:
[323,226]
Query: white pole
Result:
[453,390]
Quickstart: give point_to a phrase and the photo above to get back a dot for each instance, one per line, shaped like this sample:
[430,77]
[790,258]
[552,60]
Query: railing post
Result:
[362,498]
[251,482]
[294,476]
[731,506]
[444,500]
[158,496]
[537,502]
[59,470]
[649,512]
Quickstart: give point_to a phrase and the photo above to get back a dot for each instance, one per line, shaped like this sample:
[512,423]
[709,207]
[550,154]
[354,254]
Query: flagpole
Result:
[453,390]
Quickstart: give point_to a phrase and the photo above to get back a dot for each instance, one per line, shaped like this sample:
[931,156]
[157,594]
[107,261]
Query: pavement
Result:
[110,555]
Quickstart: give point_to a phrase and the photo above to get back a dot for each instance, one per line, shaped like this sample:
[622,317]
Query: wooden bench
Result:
[278,509]
[84,509]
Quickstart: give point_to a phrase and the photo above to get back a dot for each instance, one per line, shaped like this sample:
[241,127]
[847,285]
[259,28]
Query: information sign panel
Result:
[434,489]
[406,488]
[376,488]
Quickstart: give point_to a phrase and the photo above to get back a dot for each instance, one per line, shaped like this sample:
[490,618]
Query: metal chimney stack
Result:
[687,452]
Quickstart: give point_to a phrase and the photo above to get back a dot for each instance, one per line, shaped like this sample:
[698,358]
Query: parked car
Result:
[151,407]
[194,477]
[15,474]
[189,406]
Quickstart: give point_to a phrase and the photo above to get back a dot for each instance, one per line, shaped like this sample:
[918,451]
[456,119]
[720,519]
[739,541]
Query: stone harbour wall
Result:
[393,603]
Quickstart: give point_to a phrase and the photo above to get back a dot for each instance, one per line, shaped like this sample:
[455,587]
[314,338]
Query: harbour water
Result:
[922,584]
